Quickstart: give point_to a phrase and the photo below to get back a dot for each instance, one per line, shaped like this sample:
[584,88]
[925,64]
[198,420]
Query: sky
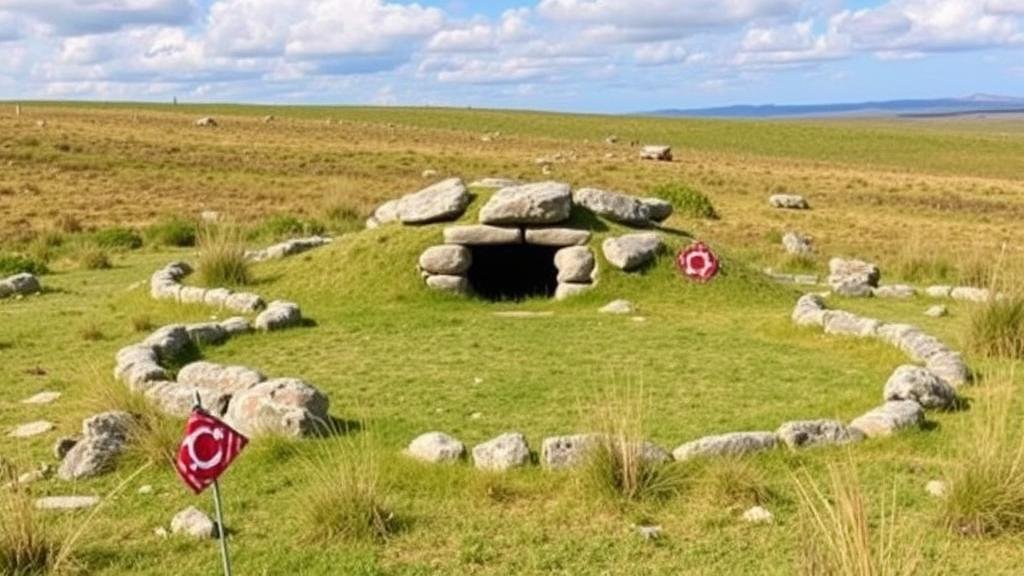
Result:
[566,55]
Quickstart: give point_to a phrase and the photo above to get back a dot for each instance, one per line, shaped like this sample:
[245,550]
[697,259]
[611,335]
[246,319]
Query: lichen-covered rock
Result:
[538,203]
[446,200]
[436,447]
[889,418]
[657,209]
[278,316]
[482,235]
[631,251]
[282,407]
[230,379]
[556,236]
[575,264]
[507,451]
[104,437]
[788,202]
[169,342]
[807,433]
[613,205]
[447,259]
[732,444]
[921,385]
[560,452]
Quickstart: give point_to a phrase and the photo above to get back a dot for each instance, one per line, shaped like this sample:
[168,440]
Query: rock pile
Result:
[19,285]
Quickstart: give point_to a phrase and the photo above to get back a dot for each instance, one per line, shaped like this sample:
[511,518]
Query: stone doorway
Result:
[513,272]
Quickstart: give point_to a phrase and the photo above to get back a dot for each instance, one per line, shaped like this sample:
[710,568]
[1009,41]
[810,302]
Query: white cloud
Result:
[1005,7]
[76,17]
[661,53]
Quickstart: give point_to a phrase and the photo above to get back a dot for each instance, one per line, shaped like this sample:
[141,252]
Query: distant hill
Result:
[975,104]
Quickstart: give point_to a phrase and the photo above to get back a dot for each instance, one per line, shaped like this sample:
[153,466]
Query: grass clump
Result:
[985,493]
[838,537]
[92,258]
[117,238]
[11,264]
[346,499]
[27,546]
[283,226]
[154,436]
[997,328]
[343,218]
[172,232]
[222,260]
[686,201]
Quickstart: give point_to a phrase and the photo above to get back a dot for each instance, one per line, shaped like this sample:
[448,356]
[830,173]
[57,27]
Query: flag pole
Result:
[197,404]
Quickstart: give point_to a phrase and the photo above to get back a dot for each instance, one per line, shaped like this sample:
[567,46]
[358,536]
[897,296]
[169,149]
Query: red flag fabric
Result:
[209,447]
[697,262]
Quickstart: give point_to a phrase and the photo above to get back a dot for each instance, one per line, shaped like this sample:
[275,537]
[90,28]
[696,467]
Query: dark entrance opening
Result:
[513,271]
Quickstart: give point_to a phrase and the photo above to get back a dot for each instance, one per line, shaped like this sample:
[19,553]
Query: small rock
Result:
[619,306]
[788,202]
[937,311]
[631,251]
[507,451]
[936,488]
[566,451]
[731,444]
[797,244]
[649,532]
[889,418]
[42,398]
[909,382]
[193,522]
[575,264]
[428,173]
[436,447]
[160,532]
[566,290]
[206,122]
[758,515]
[31,429]
[446,283]
[145,490]
[66,502]
[278,316]
[854,278]
[104,437]
[655,152]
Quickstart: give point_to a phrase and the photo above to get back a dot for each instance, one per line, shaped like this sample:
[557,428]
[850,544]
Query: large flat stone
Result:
[557,236]
[446,200]
[538,203]
[481,235]
[613,205]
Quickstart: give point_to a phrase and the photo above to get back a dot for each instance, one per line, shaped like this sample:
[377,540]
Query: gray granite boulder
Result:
[244,302]
[732,444]
[807,433]
[104,437]
[436,447]
[236,325]
[921,385]
[446,200]
[176,399]
[613,205]
[951,367]
[278,316]
[889,418]
[560,452]
[281,407]
[657,209]
[810,310]
[481,235]
[848,324]
[538,203]
[169,342]
[788,202]
[19,285]
[216,297]
[575,264]
[507,451]
[852,277]
[631,251]
[447,259]
[229,379]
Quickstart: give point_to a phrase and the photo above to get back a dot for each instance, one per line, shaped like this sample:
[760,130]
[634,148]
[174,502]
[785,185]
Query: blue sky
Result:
[574,55]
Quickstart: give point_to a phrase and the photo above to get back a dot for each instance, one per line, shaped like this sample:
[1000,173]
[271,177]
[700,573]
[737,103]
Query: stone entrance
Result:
[513,271]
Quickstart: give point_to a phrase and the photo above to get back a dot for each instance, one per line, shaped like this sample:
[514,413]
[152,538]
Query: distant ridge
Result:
[974,104]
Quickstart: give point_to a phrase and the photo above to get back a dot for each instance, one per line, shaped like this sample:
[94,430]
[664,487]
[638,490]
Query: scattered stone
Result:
[206,122]
[160,532]
[436,447]
[566,290]
[921,385]
[797,244]
[889,418]
[63,445]
[32,476]
[649,532]
[659,153]
[807,433]
[937,311]
[619,306]
[758,515]
[631,251]
[731,444]
[936,488]
[480,235]
[19,285]
[538,203]
[66,502]
[104,437]
[575,264]
[556,236]
[193,522]
[788,202]
[448,259]
[613,205]
[897,291]
[507,451]
[854,278]
[278,316]
[445,283]
[31,429]
[446,200]
[282,406]
[657,209]
[560,452]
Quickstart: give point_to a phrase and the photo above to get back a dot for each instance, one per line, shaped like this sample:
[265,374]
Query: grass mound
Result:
[11,264]
[173,232]
[686,201]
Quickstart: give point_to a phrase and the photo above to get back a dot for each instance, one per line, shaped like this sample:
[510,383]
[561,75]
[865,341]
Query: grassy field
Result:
[928,201]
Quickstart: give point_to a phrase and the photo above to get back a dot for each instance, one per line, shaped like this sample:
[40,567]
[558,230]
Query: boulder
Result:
[657,209]
[538,203]
[613,205]
[169,342]
[244,302]
[619,306]
[655,152]
[229,379]
[481,234]
[104,437]
[807,433]
[206,333]
[19,285]
[236,325]
[921,385]
[889,418]
[445,283]
[386,212]
[436,447]
[848,324]
[575,264]
[566,290]
[447,259]
[797,244]
[788,202]
[897,291]
[560,452]
[631,251]
[950,366]
[193,522]
[507,451]
[282,407]
[137,365]
[176,399]
[278,316]
[216,297]
[732,444]
[852,277]
[810,310]
[557,236]
[192,295]
[446,200]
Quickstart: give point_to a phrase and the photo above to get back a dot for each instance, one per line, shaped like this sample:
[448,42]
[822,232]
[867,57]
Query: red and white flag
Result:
[698,262]
[209,447]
